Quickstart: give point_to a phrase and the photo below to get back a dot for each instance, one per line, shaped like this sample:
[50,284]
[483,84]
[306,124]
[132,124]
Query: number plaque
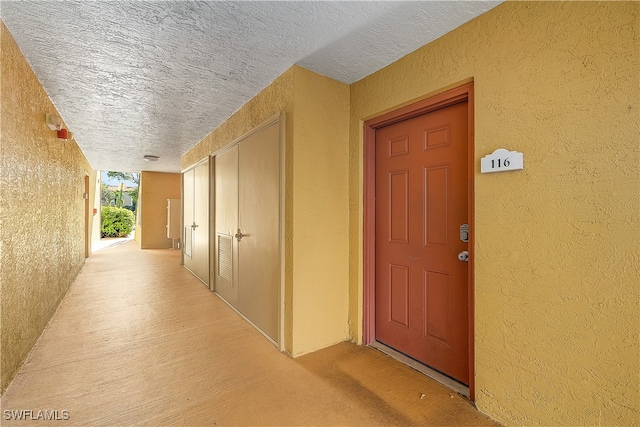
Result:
[502,160]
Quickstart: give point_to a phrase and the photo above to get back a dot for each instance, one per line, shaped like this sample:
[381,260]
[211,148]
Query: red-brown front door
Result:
[421,193]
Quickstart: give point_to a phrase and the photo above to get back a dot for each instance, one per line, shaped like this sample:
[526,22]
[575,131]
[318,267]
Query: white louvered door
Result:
[196,220]
[226,224]
[247,221]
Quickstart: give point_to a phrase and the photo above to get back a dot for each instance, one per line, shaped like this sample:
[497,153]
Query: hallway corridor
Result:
[139,341]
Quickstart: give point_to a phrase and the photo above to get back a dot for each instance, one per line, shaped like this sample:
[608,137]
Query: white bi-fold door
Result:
[195,235]
[247,228]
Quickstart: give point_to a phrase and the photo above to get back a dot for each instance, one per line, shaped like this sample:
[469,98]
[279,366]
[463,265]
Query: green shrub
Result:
[116,222]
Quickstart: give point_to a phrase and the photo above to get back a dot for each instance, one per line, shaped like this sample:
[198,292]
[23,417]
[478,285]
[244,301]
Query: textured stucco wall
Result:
[42,245]
[137,233]
[320,211]
[155,189]
[276,97]
[557,254]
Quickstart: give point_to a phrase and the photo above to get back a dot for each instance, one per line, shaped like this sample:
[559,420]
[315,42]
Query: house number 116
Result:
[502,160]
[495,163]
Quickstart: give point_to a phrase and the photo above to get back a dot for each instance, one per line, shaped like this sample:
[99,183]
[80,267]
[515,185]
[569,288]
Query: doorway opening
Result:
[117,208]
[418,236]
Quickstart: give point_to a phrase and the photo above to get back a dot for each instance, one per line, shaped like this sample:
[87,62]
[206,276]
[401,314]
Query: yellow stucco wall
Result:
[316,199]
[155,189]
[320,182]
[137,234]
[42,246]
[556,273]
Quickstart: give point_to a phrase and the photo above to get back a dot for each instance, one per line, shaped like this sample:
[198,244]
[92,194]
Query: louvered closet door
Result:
[196,220]
[259,210]
[226,221]
[187,211]
[201,218]
[247,247]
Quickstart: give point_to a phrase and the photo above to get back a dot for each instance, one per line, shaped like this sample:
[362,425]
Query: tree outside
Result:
[119,198]
[107,196]
[121,183]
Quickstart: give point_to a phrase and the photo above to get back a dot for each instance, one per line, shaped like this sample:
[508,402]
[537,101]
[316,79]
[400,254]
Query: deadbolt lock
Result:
[464,233]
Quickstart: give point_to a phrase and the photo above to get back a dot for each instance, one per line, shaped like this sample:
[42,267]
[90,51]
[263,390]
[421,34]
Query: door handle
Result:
[464,256]
[194,225]
[239,235]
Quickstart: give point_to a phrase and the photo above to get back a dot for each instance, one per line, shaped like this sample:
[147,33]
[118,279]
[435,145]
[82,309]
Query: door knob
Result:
[194,225]
[239,235]
[464,256]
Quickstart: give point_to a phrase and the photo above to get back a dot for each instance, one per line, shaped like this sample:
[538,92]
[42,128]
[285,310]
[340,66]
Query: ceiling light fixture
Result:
[150,158]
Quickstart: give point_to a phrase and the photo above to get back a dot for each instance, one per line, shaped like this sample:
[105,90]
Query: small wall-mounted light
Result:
[150,158]
[53,122]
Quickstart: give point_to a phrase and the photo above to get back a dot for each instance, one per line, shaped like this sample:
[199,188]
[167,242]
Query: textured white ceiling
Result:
[132,78]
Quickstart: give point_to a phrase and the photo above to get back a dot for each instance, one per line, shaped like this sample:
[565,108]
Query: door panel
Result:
[259,220]
[201,215]
[187,191]
[437,303]
[196,220]
[399,206]
[421,200]
[248,214]
[399,294]
[436,193]
[226,221]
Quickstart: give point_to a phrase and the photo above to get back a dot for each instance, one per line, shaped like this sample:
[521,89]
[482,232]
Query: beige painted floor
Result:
[139,341]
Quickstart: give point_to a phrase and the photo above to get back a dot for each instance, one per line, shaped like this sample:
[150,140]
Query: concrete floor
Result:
[139,341]
[107,242]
